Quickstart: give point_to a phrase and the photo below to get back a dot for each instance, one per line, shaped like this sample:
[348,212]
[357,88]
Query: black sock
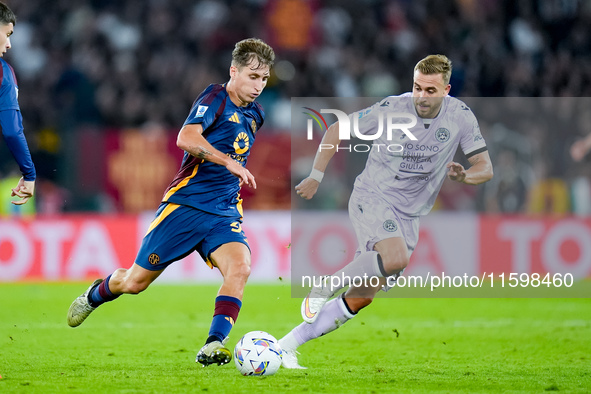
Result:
[212,338]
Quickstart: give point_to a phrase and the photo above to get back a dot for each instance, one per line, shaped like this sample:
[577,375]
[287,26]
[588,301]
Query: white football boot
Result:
[80,308]
[315,300]
[290,359]
[214,353]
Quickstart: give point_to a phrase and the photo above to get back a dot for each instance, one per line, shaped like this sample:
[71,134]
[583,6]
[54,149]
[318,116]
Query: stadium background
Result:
[105,85]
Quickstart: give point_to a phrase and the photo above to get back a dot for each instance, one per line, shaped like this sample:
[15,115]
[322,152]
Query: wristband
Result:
[316,175]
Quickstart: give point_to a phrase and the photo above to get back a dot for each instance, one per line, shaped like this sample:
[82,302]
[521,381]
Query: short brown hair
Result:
[6,15]
[252,49]
[435,64]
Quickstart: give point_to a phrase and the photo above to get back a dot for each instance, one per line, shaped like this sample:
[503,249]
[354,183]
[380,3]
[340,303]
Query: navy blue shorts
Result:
[178,230]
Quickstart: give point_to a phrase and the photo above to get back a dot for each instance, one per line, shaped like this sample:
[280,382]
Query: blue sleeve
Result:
[8,88]
[11,123]
[208,107]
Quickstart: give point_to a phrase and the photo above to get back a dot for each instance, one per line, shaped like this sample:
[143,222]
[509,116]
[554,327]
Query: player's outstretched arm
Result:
[191,140]
[309,186]
[11,126]
[480,170]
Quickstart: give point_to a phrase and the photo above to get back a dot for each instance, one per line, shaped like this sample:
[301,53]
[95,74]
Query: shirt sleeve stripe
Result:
[210,96]
[475,152]
[13,74]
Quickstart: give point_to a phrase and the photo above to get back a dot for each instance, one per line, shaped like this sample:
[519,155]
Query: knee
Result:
[240,269]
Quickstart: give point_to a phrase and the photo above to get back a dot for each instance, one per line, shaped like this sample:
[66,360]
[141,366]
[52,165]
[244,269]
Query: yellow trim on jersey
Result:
[239,207]
[170,208]
[234,118]
[183,183]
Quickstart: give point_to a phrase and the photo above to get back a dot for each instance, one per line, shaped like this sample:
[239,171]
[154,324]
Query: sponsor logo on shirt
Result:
[241,143]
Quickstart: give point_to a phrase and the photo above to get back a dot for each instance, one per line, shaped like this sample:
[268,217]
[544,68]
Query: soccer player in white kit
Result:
[396,187]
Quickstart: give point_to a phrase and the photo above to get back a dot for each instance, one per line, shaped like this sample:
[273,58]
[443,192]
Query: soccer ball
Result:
[257,353]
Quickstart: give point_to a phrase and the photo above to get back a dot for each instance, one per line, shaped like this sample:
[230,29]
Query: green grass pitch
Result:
[147,344]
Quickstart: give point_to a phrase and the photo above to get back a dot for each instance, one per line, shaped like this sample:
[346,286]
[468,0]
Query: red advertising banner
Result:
[71,248]
[540,245]
[83,247]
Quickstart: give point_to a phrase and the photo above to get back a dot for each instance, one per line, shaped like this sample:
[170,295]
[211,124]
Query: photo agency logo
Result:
[397,127]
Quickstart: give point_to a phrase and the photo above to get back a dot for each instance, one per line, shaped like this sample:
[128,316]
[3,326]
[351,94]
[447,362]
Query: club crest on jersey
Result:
[201,110]
[442,134]
[154,259]
[390,226]
[253,126]
[241,143]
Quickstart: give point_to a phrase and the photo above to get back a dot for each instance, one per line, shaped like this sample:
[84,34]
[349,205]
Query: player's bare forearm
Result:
[327,147]
[478,174]
[326,150]
[191,140]
[480,170]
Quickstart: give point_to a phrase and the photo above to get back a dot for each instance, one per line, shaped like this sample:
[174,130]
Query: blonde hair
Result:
[252,49]
[435,64]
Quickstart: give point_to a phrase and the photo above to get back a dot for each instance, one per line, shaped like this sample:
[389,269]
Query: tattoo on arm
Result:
[202,153]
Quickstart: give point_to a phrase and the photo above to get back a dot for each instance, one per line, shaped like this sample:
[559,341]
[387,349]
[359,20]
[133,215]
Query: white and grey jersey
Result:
[408,173]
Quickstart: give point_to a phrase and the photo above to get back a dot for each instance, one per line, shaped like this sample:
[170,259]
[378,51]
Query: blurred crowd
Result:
[85,66]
